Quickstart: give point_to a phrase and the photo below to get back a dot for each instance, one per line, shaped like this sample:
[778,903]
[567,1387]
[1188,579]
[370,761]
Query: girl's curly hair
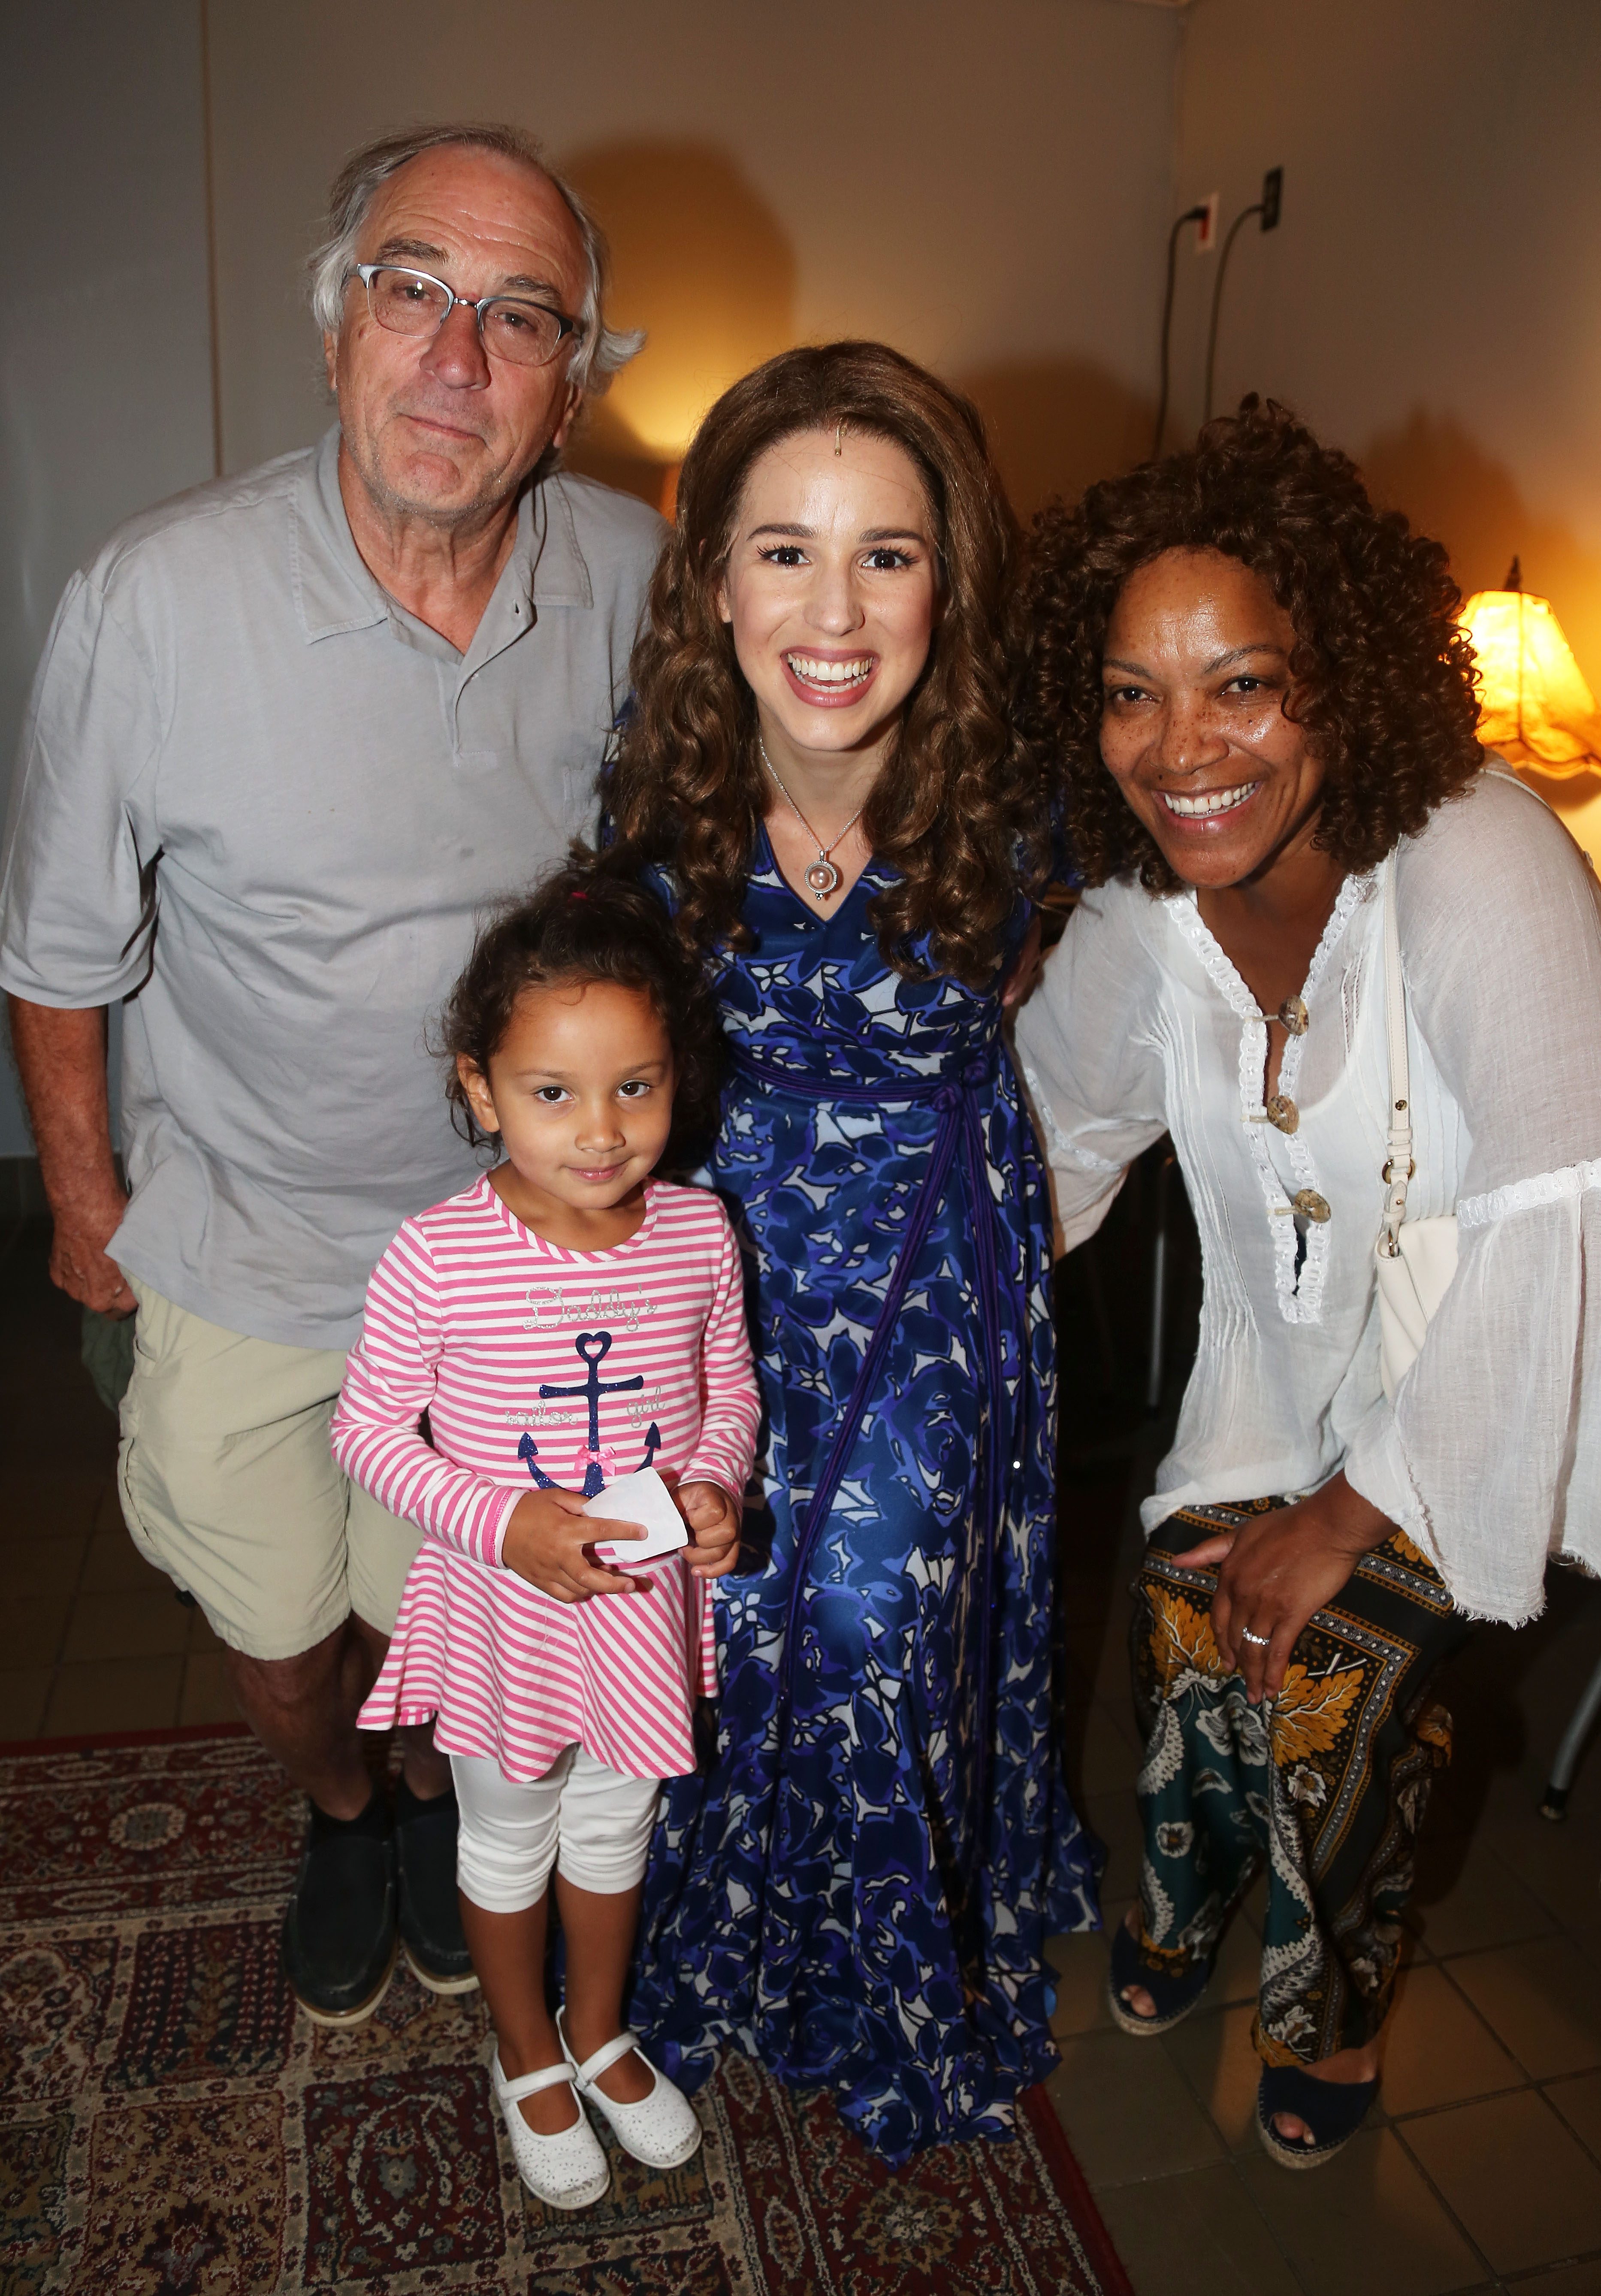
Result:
[960,809]
[584,924]
[1382,675]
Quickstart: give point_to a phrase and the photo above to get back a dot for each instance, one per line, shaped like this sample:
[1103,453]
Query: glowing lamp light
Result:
[1534,706]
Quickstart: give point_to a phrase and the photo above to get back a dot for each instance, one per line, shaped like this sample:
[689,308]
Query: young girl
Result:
[565,1321]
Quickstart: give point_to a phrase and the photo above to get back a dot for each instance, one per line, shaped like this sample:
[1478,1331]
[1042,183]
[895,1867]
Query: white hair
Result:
[601,349]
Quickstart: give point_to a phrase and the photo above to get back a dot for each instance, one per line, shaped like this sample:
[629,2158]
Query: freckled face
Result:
[832,590]
[581,1089]
[1193,730]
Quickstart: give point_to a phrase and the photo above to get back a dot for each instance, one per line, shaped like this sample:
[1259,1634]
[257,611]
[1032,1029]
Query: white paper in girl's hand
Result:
[643,1498]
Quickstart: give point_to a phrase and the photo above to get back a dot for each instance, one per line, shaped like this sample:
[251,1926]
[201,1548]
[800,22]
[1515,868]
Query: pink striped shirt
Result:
[528,1356]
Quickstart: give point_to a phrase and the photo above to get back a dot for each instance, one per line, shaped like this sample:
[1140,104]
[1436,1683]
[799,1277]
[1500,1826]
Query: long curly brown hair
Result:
[1383,678]
[960,809]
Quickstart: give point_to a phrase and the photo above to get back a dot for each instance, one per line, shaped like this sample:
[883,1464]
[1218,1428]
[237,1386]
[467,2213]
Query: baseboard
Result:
[21,1190]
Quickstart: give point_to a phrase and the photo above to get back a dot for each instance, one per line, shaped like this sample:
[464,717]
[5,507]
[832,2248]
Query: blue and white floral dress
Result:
[859,1889]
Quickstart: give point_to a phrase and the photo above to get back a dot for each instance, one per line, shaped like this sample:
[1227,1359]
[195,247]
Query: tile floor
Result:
[92,1639]
[1483,2169]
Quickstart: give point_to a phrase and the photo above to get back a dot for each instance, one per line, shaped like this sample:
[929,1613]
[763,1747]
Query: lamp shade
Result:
[1534,706]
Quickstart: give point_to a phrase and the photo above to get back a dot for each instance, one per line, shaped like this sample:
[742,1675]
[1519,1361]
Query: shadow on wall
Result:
[701,262]
[1431,468]
[1056,425]
[1449,486]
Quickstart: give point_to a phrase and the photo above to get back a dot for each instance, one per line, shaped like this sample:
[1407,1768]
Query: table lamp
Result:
[1534,706]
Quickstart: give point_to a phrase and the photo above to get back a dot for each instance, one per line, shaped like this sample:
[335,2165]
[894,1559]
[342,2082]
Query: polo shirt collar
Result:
[336,591]
[559,577]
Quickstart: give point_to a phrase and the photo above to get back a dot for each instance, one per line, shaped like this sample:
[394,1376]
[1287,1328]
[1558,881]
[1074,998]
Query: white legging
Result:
[509,1835]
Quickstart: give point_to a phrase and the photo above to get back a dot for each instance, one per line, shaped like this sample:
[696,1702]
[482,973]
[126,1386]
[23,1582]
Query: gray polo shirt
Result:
[265,805]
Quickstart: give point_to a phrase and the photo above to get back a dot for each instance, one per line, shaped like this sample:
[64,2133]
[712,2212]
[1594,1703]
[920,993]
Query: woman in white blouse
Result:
[1257,692]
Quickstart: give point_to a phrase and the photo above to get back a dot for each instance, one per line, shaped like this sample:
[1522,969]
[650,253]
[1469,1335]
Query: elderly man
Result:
[291,732]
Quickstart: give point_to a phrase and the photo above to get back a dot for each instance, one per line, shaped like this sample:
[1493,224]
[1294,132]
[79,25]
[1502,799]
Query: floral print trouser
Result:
[1325,1785]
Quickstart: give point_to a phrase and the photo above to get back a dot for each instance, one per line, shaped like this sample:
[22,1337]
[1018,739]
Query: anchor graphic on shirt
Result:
[593,1348]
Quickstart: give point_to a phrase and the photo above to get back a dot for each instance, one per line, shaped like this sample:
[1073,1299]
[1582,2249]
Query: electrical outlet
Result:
[1273,193]
[1206,230]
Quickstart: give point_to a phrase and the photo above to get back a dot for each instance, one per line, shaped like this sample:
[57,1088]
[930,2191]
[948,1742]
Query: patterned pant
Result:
[1326,1783]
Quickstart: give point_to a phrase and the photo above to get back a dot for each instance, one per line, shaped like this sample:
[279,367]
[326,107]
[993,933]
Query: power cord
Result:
[1190,215]
[1268,207]
[1217,299]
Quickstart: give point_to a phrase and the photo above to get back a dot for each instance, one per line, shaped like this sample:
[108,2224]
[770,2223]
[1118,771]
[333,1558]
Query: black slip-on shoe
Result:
[1331,2112]
[430,1918]
[340,1927]
[1173,1997]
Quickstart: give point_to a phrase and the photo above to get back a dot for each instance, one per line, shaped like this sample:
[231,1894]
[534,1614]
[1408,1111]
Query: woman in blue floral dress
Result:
[821,775]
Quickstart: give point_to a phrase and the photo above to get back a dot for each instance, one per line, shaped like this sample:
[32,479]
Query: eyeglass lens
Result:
[411,303]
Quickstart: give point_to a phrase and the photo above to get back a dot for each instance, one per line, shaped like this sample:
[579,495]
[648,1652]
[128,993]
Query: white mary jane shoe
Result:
[566,2171]
[661,2131]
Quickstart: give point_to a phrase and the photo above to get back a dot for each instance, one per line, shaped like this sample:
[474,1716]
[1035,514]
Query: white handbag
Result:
[1416,1258]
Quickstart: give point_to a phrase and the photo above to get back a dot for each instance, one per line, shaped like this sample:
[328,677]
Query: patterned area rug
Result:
[172,2127]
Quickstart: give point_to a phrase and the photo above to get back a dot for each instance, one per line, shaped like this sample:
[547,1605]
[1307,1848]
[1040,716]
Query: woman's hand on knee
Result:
[1273,1572]
[545,1543]
[713,1520]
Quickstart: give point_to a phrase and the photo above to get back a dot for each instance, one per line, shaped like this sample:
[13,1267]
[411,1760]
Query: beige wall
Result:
[1432,298]
[105,376]
[988,186]
[984,186]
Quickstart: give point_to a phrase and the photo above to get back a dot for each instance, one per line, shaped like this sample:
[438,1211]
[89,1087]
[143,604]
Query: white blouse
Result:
[1491,1457]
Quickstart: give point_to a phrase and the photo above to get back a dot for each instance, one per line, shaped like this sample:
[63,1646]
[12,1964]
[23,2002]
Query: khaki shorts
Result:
[228,1485]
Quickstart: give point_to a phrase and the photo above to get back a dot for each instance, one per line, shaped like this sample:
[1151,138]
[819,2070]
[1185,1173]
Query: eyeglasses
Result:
[414,303]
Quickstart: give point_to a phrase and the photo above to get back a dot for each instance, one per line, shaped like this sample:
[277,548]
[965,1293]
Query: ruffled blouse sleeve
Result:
[1490,1457]
[1089,1052]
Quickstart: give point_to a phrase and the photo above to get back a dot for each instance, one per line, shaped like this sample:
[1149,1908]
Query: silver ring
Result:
[1261,1640]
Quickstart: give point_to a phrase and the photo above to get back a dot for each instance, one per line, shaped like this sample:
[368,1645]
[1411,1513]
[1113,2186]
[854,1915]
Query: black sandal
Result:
[1174,1996]
[1334,2110]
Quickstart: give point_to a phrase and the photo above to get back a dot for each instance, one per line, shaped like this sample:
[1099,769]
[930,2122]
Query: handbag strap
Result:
[1398,1161]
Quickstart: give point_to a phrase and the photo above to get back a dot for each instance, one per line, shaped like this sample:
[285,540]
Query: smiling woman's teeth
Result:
[1213,801]
[817,672]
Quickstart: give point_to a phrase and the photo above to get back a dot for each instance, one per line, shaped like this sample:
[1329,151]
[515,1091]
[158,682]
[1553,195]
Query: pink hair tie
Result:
[578,897]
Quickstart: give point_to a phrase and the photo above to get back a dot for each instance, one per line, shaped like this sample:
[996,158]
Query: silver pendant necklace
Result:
[822,878]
